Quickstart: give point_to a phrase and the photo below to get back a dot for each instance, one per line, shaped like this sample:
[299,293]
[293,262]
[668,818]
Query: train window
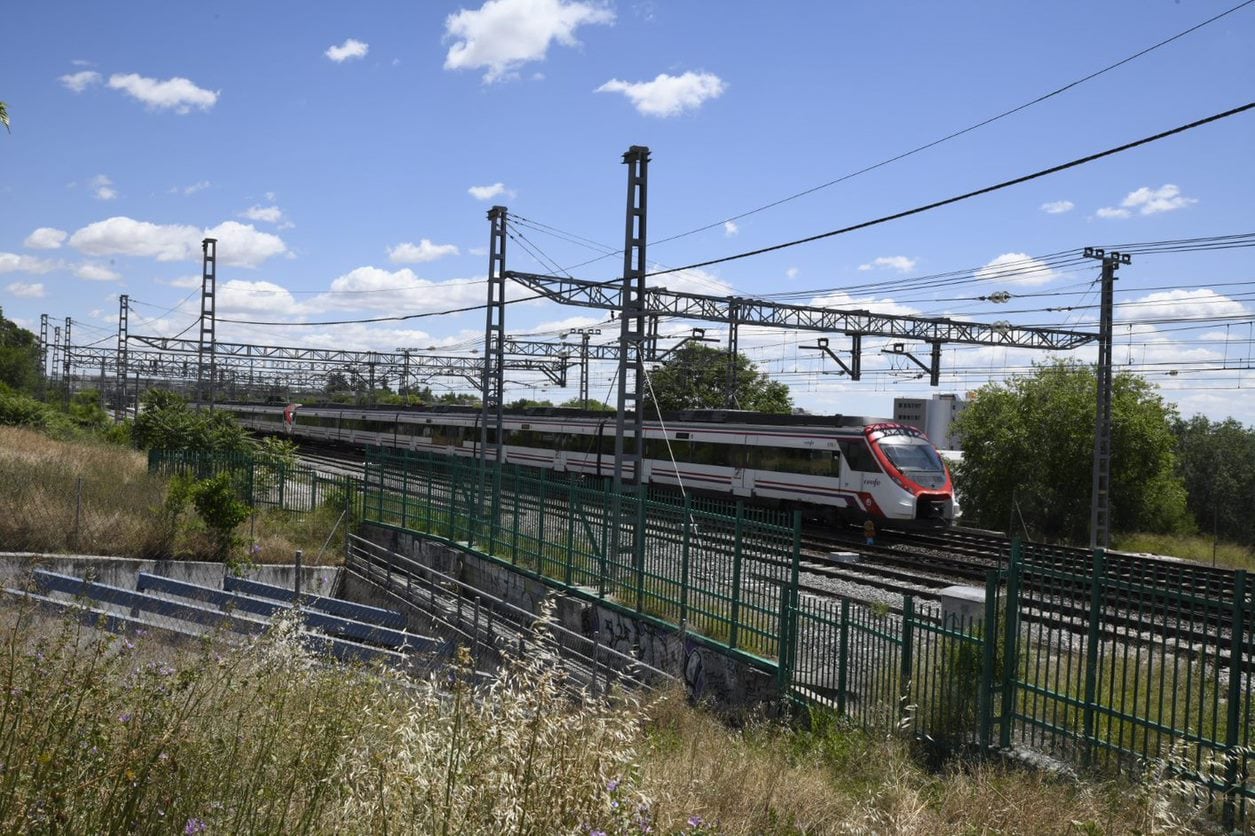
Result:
[451,436]
[795,460]
[858,456]
[911,455]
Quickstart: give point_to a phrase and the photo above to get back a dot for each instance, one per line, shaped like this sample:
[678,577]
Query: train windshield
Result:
[912,455]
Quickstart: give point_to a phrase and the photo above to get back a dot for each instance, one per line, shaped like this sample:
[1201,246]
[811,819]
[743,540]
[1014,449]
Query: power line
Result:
[986,190]
[956,134]
[398,318]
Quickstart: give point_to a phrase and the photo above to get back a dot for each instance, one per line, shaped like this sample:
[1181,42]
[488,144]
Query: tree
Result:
[1216,462]
[1028,452]
[696,377]
[4,115]
[19,357]
[166,423]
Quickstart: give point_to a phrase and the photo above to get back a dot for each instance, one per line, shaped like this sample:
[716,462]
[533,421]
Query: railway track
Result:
[922,564]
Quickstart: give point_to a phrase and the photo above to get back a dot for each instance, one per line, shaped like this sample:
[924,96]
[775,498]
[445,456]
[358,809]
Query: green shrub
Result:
[217,502]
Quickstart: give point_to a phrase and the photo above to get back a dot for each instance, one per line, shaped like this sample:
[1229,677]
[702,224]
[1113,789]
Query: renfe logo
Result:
[873,482]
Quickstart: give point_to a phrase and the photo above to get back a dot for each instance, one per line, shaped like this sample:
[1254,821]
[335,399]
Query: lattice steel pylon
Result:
[492,390]
[208,294]
[633,320]
[1100,502]
[43,355]
[119,406]
[67,364]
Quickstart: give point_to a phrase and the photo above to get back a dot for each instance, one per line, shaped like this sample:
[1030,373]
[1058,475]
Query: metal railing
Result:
[717,567]
[1115,664]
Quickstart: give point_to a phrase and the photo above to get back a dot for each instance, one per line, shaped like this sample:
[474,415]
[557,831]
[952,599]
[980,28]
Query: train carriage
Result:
[850,467]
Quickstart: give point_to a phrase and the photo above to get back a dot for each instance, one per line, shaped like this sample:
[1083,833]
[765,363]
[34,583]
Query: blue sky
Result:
[341,148]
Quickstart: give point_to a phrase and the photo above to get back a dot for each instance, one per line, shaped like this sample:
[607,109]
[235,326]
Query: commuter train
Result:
[845,467]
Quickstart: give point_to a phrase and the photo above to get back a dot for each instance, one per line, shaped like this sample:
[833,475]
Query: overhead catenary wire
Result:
[1055,169]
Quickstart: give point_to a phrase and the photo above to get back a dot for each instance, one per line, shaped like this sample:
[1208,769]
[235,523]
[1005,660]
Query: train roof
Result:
[694,416]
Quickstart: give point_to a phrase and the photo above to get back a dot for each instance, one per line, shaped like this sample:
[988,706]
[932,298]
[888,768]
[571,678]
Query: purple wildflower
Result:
[695,821]
[613,785]
[195,825]
[125,717]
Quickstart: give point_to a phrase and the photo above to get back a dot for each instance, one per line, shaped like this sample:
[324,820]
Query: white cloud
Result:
[351,48]
[893,262]
[1148,201]
[96,272]
[241,245]
[691,281]
[668,95]
[374,288]
[23,290]
[489,192]
[238,244]
[1057,207]
[1181,304]
[80,81]
[791,272]
[177,93]
[267,214]
[261,297]
[503,35]
[1016,269]
[845,302]
[46,238]
[16,263]
[200,185]
[103,187]
[424,250]
[730,228]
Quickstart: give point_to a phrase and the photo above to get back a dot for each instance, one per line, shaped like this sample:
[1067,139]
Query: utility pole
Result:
[119,409]
[66,361]
[492,384]
[43,356]
[632,319]
[1100,503]
[584,334]
[208,292]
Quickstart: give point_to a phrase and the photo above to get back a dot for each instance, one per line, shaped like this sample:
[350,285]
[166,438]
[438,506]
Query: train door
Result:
[742,476]
[859,470]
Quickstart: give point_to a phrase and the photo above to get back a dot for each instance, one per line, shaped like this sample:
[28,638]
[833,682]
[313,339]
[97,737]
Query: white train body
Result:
[856,468]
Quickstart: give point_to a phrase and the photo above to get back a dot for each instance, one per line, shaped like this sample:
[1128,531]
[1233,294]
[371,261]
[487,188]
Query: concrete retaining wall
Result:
[122,571]
[708,673]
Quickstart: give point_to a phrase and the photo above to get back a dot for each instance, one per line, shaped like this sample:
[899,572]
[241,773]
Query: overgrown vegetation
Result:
[98,498]
[1028,448]
[107,734]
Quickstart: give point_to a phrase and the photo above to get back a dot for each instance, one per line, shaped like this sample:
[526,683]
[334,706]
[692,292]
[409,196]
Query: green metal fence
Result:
[1107,662]
[719,568]
[264,484]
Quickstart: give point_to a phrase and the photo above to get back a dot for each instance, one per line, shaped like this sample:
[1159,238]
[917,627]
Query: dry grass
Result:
[1197,548]
[88,497]
[767,779]
[104,734]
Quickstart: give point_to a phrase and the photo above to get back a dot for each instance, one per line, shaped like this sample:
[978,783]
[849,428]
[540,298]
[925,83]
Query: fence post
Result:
[736,573]
[405,494]
[843,664]
[570,534]
[989,644]
[296,579]
[908,650]
[78,510]
[1237,663]
[638,545]
[1010,645]
[787,639]
[685,544]
[1091,650]
[283,484]
[608,541]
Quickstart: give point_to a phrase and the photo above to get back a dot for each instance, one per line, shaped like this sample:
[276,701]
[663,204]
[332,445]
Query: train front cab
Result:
[926,494]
